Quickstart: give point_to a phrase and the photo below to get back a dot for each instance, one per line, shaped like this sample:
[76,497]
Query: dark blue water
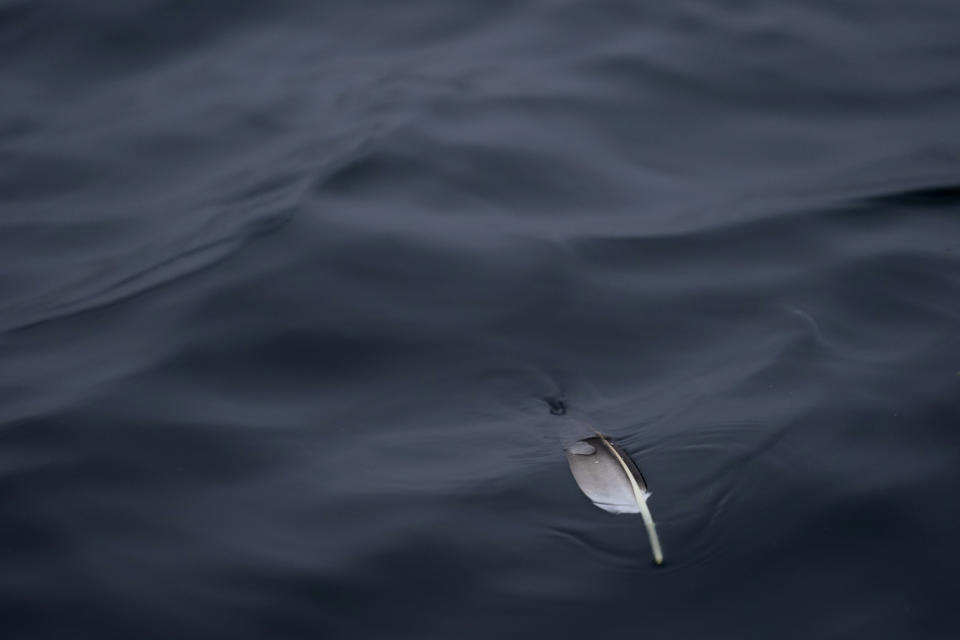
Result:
[287,291]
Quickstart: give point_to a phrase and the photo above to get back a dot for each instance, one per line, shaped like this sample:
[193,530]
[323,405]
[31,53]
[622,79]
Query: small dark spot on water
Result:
[558,406]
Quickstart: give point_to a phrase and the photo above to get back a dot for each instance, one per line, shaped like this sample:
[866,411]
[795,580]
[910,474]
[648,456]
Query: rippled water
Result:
[289,289]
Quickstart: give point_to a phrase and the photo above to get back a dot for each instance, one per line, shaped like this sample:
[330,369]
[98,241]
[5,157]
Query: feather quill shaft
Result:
[641,496]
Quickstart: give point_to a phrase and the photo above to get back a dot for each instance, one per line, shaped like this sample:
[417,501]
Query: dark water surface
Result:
[287,289]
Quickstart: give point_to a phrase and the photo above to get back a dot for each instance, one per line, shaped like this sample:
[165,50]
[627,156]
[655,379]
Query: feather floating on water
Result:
[612,481]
